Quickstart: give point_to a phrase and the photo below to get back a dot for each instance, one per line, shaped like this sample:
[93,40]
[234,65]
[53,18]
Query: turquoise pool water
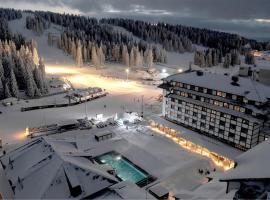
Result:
[124,169]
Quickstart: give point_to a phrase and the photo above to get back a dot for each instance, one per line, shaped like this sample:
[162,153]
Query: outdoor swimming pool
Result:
[125,170]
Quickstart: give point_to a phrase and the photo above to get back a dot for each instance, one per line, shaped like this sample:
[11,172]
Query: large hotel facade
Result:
[231,109]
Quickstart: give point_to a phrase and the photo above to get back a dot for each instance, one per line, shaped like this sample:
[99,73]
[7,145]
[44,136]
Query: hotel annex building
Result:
[231,109]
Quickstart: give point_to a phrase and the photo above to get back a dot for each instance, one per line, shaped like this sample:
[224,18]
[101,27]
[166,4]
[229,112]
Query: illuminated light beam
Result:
[218,160]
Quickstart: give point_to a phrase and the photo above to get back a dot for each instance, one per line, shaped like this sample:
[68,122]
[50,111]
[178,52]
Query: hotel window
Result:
[234,97]
[178,84]
[245,122]
[172,100]
[187,111]
[223,94]
[179,102]
[213,112]
[221,131]
[192,87]
[232,126]
[216,103]
[204,109]
[212,120]
[172,106]
[194,121]
[202,124]
[221,123]
[200,89]
[186,119]
[244,130]
[205,90]
[181,85]
[209,91]
[237,108]
[219,93]
[179,109]
[203,116]
[211,128]
[226,105]
[233,118]
[195,114]
[243,139]
[179,116]
[231,135]
[242,109]
[214,92]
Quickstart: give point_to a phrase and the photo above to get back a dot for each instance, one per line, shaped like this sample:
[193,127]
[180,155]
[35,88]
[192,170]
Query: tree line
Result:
[20,66]
[88,40]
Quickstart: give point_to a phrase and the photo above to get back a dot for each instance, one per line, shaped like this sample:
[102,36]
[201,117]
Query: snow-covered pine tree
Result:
[2,90]
[101,57]
[13,84]
[79,59]
[94,57]
[132,58]
[249,59]
[227,60]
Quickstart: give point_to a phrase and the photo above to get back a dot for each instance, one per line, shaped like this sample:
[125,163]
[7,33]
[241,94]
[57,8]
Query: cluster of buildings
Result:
[46,168]
[234,110]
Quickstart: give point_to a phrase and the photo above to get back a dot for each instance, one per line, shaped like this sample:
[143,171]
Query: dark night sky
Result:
[249,18]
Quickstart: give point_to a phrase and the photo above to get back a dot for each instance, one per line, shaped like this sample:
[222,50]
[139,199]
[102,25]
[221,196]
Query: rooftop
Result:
[248,88]
[57,168]
[251,165]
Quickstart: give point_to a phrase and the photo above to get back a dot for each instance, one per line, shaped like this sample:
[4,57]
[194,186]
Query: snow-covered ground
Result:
[176,168]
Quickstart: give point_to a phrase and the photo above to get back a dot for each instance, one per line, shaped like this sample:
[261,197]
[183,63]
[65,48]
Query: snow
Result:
[247,87]
[202,140]
[255,160]
[40,167]
[175,168]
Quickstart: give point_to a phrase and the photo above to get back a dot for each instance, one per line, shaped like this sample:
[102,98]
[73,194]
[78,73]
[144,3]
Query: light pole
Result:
[127,71]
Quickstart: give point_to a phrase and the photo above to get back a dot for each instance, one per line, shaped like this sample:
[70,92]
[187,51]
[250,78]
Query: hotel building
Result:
[233,110]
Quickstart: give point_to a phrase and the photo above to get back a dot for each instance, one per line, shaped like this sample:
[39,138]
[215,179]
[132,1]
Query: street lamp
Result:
[180,70]
[164,70]
[127,71]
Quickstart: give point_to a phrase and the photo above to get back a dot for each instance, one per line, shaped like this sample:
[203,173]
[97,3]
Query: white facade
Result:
[229,117]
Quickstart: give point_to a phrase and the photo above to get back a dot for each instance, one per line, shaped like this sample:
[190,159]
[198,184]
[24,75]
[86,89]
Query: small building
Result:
[251,175]
[159,191]
[264,76]
[103,136]
[245,71]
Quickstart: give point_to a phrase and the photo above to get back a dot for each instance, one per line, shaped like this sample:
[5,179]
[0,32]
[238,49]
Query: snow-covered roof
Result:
[159,190]
[202,140]
[248,88]
[50,168]
[254,164]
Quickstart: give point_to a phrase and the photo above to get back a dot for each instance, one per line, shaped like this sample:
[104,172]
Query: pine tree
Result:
[101,57]
[79,60]
[132,58]
[2,90]
[94,56]
[227,60]
[7,91]
[13,84]
[1,70]
[149,58]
